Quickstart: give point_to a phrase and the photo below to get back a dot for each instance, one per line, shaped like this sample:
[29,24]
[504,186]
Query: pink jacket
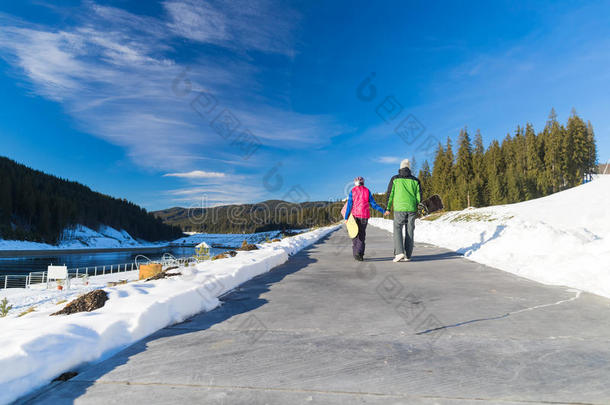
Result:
[358,203]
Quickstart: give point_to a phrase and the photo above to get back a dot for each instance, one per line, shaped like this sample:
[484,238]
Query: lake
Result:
[27,264]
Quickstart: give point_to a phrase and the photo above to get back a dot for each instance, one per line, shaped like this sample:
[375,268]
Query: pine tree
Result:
[508,150]
[591,167]
[425,179]
[496,174]
[553,134]
[464,170]
[575,150]
[481,197]
[534,163]
[413,162]
[438,172]
[449,177]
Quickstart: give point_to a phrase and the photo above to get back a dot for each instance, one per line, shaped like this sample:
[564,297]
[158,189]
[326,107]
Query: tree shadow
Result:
[242,299]
[477,245]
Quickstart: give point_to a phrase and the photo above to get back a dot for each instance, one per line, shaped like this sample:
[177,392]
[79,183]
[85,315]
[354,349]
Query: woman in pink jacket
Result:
[358,202]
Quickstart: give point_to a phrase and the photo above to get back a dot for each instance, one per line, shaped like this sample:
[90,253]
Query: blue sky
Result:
[190,103]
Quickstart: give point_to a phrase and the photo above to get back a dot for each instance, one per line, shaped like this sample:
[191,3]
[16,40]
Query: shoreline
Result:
[44,252]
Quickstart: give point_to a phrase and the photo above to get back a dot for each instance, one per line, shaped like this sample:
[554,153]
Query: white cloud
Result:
[198,21]
[388,159]
[242,24]
[196,174]
[216,194]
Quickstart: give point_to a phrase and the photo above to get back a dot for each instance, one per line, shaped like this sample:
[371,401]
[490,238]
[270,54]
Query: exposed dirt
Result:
[247,246]
[224,255]
[85,303]
[164,274]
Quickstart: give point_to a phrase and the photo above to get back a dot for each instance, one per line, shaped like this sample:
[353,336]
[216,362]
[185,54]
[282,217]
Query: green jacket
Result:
[404,192]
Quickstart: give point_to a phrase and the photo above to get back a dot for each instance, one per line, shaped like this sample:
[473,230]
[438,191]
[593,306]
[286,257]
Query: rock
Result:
[85,303]
[66,376]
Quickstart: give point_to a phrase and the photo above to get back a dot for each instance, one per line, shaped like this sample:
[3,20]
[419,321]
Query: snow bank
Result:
[561,239]
[37,347]
[81,237]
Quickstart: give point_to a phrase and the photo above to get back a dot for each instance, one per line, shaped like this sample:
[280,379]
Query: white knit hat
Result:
[405,163]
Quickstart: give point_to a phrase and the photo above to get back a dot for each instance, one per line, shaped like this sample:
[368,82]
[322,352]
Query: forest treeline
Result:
[523,166]
[38,207]
[249,218]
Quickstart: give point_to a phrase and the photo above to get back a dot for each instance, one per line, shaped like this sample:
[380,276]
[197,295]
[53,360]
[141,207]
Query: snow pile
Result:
[561,239]
[37,347]
[81,237]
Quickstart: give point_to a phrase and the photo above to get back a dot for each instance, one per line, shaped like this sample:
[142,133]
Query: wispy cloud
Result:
[211,195]
[198,21]
[387,159]
[196,174]
[112,71]
[241,24]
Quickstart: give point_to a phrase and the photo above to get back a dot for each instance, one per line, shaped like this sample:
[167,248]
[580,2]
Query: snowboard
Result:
[430,205]
[352,226]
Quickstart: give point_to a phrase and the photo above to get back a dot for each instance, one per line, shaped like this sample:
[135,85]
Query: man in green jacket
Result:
[403,195]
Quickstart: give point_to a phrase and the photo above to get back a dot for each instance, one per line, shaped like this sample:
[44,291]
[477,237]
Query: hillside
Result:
[39,207]
[561,239]
[249,218]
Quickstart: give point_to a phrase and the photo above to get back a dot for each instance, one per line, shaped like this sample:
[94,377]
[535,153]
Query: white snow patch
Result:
[81,237]
[561,239]
[37,347]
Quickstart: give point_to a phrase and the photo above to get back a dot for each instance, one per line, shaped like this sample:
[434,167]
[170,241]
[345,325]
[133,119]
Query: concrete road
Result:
[324,329]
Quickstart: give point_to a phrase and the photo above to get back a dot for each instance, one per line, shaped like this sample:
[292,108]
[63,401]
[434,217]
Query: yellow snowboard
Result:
[352,227]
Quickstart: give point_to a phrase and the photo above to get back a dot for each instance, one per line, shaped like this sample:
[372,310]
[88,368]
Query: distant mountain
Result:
[264,216]
[39,207]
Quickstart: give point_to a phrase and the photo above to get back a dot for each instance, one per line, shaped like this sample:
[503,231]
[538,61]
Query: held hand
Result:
[385,214]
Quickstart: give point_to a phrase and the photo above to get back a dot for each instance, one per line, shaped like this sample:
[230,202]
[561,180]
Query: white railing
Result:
[39,277]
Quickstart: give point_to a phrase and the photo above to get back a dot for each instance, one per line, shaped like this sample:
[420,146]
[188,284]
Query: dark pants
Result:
[358,241]
[404,220]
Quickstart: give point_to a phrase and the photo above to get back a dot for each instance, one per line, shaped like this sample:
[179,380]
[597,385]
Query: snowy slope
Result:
[81,237]
[561,239]
[37,347]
